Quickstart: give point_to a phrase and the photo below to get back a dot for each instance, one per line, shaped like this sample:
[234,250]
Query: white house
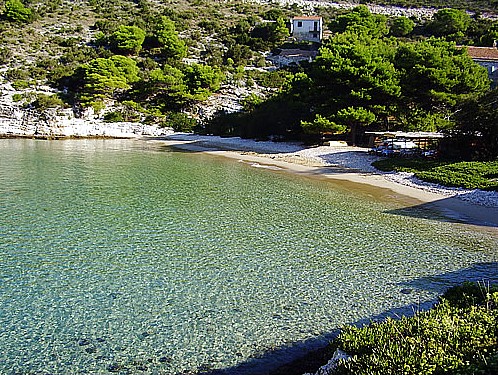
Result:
[307,28]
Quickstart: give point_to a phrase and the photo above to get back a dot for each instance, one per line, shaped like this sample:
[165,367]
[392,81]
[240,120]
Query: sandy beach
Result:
[351,165]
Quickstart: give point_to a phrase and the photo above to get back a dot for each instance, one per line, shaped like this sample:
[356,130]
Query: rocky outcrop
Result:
[17,121]
[20,122]
[395,11]
[228,100]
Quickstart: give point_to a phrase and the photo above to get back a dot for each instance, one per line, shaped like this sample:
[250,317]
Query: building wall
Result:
[307,29]
[492,67]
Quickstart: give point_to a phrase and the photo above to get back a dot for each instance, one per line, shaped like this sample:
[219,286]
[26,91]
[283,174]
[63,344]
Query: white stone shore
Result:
[82,128]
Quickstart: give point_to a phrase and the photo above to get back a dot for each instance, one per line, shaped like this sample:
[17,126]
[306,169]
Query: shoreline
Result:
[482,218]
[382,185]
[342,164]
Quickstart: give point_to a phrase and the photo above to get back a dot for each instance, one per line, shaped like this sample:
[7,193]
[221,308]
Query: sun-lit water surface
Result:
[125,256]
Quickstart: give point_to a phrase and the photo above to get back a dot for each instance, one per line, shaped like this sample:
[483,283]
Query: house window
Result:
[299,24]
[315,35]
[316,26]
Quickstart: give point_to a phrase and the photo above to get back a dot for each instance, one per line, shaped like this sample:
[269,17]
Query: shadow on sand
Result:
[454,210]
[307,356]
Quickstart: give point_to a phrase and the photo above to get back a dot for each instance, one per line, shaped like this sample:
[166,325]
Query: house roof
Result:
[315,18]
[483,53]
[411,135]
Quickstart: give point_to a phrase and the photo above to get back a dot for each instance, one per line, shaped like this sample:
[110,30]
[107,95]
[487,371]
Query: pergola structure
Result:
[423,140]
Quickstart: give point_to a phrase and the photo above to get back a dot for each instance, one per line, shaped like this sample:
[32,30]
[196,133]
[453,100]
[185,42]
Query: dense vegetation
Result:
[154,62]
[366,78]
[469,175]
[457,336]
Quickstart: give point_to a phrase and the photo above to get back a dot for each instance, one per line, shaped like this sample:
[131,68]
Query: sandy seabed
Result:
[351,165]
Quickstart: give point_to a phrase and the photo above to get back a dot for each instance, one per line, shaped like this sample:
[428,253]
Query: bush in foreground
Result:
[457,336]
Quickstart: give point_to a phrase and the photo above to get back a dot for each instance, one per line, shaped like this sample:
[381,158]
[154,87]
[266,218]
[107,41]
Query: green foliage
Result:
[15,11]
[251,101]
[320,125]
[172,47]
[435,76]
[470,175]
[43,102]
[477,120]
[202,80]
[444,340]
[127,39]
[181,122]
[450,23]
[270,33]
[354,79]
[16,74]
[114,116]
[356,116]
[473,294]
[17,97]
[21,84]
[272,79]
[401,26]
[5,55]
[103,77]
[360,20]
[165,88]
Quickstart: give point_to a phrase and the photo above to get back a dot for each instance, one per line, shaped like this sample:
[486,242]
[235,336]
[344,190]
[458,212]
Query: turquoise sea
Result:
[125,256]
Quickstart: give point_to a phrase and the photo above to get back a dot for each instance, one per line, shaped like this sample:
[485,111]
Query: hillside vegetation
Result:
[155,61]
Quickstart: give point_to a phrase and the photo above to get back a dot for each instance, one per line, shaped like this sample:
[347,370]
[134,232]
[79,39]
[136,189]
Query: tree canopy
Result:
[401,26]
[102,77]
[354,80]
[435,77]
[127,40]
[477,119]
[360,20]
[16,11]
[171,45]
[450,22]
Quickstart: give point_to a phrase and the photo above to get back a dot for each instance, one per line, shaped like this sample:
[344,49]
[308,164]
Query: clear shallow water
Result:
[123,256]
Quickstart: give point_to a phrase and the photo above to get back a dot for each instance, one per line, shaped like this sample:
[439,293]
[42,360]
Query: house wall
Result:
[307,29]
[492,67]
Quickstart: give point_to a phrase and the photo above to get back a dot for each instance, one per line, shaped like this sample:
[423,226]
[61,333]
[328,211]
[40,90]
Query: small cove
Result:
[124,255]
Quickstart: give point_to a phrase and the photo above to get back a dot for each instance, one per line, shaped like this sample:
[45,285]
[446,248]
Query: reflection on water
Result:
[122,256]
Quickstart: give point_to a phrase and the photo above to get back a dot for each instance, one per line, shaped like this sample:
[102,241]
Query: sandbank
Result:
[370,183]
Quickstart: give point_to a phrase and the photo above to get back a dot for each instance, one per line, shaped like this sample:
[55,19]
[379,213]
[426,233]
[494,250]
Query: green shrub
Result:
[457,336]
[43,102]
[181,122]
[16,11]
[115,116]
[20,84]
[469,175]
[17,97]
[5,55]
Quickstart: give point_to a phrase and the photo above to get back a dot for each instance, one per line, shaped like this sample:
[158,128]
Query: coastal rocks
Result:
[18,121]
[228,100]
[27,123]
[332,364]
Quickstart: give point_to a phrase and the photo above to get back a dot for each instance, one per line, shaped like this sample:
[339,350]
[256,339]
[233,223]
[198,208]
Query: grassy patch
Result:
[457,336]
[469,175]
